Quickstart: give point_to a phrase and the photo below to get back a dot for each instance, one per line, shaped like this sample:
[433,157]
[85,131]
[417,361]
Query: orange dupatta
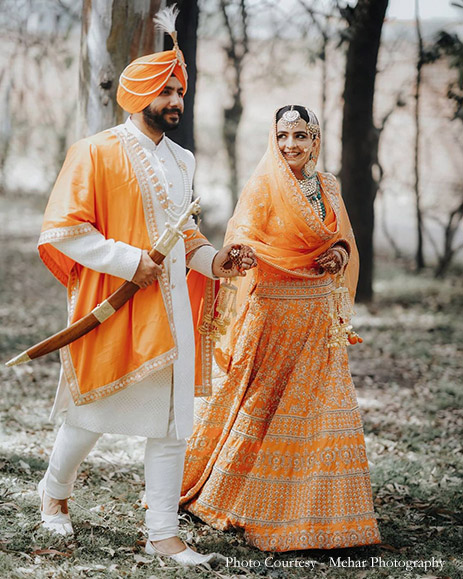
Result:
[274,217]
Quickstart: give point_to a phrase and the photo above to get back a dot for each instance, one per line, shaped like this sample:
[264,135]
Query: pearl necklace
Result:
[174,212]
[310,186]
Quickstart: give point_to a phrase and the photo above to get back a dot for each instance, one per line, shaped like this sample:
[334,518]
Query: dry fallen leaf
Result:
[50,552]
[388,547]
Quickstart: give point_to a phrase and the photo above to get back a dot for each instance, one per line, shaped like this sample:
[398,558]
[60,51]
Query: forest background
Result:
[392,133]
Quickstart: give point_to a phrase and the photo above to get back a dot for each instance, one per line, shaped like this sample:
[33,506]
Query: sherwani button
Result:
[172,286]
[174,259]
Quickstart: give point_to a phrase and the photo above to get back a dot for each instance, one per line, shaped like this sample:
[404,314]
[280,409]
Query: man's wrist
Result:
[201,260]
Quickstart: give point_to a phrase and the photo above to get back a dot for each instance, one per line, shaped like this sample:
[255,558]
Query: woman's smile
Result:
[295,145]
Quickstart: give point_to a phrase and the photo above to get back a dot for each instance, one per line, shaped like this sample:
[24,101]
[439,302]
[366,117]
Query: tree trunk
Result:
[236,50]
[419,256]
[5,134]
[114,32]
[359,143]
[323,123]
[187,27]
[454,219]
[231,122]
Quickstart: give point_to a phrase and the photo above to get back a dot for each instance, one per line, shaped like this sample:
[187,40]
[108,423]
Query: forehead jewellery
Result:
[292,117]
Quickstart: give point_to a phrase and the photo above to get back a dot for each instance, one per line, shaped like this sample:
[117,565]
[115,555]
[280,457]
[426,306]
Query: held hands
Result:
[233,260]
[333,259]
[147,271]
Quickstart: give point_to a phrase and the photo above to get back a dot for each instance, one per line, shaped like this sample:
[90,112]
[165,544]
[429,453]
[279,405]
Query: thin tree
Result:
[187,28]
[359,139]
[378,173]
[450,229]
[236,49]
[322,22]
[5,132]
[419,255]
[36,50]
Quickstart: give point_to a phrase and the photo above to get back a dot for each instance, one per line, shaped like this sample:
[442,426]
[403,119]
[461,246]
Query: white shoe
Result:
[187,557]
[59,523]
[144,502]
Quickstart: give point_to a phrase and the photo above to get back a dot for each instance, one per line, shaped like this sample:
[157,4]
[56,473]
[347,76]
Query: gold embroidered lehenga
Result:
[278,449]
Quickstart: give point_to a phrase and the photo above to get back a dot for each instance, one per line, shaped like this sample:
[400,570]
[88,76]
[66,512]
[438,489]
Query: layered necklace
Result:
[311,188]
[173,211]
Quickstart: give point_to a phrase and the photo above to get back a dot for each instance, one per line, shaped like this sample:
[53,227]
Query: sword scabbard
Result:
[114,302]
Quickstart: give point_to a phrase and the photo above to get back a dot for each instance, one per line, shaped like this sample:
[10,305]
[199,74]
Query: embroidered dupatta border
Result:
[302,205]
[297,198]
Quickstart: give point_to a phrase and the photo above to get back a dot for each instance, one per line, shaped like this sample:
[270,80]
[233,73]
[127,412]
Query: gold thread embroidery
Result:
[138,158]
[65,232]
[207,345]
[290,289]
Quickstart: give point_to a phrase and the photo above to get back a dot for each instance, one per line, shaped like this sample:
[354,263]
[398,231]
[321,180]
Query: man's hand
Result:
[147,271]
[233,260]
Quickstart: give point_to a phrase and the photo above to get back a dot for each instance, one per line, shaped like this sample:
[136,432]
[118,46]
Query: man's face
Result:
[165,111]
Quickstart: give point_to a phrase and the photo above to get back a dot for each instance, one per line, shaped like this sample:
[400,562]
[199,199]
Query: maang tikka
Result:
[291,118]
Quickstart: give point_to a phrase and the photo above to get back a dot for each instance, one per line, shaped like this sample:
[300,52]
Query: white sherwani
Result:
[143,408]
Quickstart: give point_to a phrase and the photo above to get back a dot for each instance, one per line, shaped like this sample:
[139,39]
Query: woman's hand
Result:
[233,260]
[333,259]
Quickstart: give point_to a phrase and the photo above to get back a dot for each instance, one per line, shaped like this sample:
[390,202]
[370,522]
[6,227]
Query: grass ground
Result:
[408,375]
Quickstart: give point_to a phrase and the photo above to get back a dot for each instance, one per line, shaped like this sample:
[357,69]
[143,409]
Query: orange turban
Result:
[144,78]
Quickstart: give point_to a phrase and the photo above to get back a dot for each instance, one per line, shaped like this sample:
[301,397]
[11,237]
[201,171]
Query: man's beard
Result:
[157,121]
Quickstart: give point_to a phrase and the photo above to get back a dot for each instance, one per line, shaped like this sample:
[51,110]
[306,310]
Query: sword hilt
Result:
[173,233]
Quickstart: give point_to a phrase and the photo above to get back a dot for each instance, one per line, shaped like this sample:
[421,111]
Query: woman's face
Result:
[295,145]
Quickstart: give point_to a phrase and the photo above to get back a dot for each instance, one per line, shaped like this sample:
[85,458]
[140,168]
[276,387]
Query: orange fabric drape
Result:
[274,217]
[97,189]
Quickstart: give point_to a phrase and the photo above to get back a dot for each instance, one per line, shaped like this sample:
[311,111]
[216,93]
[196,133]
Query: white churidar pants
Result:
[164,459]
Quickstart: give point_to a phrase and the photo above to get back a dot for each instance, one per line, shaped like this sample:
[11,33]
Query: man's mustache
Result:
[170,111]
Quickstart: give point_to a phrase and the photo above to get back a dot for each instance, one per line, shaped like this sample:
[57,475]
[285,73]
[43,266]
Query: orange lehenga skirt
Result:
[278,450]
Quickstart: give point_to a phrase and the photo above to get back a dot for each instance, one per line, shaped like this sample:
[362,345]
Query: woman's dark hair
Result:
[313,126]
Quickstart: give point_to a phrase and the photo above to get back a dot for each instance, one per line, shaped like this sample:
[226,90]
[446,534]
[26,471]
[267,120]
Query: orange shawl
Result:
[104,186]
[274,217]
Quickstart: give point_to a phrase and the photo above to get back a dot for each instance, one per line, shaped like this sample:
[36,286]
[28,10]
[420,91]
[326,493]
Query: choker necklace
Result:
[310,186]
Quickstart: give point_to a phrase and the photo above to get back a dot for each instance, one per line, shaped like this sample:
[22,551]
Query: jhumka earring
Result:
[309,167]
